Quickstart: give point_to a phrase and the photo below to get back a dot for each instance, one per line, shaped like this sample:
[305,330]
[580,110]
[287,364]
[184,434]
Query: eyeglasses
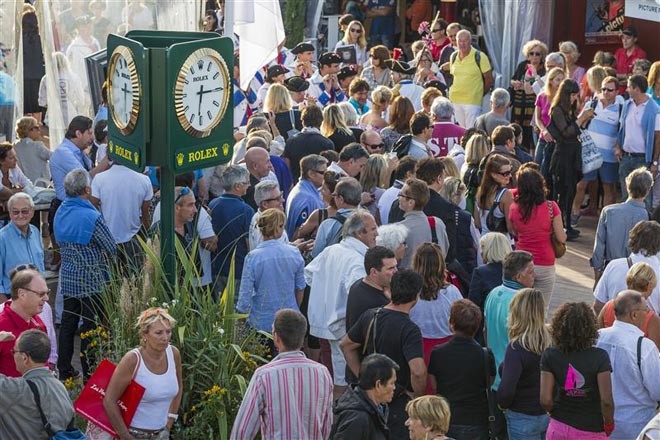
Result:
[275,199]
[39,294]
[25,267]
[319,171]
[405,196]
[184,192]
[535,54]
[375,146]
[504,173]
[25,211]
[356,31]
[17,351]
[606,89]
[436,30]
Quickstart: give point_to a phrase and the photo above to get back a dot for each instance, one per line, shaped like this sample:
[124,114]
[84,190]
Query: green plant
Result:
[219,353]
[294,21]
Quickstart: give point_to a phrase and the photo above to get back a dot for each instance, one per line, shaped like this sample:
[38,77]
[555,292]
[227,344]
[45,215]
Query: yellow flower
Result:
[213,390]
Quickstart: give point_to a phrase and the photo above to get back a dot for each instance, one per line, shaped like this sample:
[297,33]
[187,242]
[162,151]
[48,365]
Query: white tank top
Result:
[160,390]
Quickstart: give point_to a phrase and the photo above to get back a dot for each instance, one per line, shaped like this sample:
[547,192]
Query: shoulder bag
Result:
[493,223]
[558,247]
[489,396]
[71,432]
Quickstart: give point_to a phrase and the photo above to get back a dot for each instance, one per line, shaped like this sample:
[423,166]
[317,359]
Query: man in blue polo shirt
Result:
[383,15]
[231,217]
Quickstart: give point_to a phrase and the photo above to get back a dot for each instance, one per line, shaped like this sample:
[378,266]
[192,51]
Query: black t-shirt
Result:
[396,336]
[301,145]
[577,398]
[362,297]
[458,367]
[284,120]
[341,139]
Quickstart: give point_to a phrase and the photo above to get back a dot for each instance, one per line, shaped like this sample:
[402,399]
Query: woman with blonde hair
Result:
[642,278]
[428,418]
[273,275]
[431,313]
[522,94]
[374,179]
[476,149]
[401,111]
[32,153]
[451,170]
[453,190]
[546,146]
[355,37]
[156,365]
[519,389]
[654,82]
[334,127]
[380,98]
[278,99]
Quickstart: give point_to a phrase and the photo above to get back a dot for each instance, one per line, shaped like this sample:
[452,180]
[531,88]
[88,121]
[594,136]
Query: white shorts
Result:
[338,363]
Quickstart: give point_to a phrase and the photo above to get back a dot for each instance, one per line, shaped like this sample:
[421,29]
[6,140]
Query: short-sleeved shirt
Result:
[362,297]
[468,86]
[624,63]
[458,367]
[445,135]
[396,336]
[534,234]
[576,394]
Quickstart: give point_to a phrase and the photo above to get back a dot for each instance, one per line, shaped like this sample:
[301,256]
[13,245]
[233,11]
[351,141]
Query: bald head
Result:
[257,161]
[371,140]
[627,302]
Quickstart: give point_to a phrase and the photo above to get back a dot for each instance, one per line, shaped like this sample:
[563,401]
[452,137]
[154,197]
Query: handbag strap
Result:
[552,213]
[44,421]
[489,396]
[434,233]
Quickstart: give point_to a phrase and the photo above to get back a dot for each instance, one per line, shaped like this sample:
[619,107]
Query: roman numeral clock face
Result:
[123,90]
[201,92]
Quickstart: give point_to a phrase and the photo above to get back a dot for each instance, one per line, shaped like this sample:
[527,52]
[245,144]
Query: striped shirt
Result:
[289,398]
[604,128]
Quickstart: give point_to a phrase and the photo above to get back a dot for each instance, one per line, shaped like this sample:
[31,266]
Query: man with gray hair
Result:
[30,355]
[347,198]
[445,132]
[473,78]
[330,276]
[635,380]
[267,195]
[230,217]
[617,220]
[87,248]
[499,103]
[305,197]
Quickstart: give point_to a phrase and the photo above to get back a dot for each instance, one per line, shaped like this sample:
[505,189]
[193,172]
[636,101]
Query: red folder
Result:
[90,401]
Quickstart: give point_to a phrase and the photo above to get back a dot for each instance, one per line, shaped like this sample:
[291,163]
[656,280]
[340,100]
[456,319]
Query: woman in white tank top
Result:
[156,365]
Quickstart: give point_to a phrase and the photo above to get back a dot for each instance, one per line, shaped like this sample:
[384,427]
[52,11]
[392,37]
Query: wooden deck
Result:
[575,277]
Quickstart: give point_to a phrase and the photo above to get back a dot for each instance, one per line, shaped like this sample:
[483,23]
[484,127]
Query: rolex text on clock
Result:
[201,92]
[124,91]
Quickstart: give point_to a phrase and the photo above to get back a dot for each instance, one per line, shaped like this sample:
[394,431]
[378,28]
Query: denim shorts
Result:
[608,172]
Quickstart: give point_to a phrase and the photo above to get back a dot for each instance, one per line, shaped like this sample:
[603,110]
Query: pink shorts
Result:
[561,431]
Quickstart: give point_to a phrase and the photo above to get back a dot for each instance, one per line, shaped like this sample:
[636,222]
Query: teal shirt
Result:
[496,314]
[649,92]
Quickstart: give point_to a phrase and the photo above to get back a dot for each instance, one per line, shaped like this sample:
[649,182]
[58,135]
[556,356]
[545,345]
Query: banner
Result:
[643,9]
[604,21]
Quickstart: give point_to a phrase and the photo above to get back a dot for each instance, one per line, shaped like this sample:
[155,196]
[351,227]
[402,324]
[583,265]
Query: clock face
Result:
[202,92]
[123,90]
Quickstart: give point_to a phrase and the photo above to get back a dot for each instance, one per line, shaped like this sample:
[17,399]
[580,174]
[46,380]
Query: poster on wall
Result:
[604,21]
[643,9]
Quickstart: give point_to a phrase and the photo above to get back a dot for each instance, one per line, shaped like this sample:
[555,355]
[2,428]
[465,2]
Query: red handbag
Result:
[90,401]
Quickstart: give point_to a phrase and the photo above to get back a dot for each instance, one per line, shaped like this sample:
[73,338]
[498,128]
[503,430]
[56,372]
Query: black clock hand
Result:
[201,94]
[217,89]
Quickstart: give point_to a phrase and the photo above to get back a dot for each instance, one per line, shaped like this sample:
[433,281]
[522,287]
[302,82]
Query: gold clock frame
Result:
[127,53]
[178,91]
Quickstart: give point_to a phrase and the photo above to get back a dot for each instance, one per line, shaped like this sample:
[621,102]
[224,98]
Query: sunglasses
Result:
[535,54]
[406,196]
[504,173]
[606,89]
[436,30]
[319,172]
[375,146]
[25,267]
[154,312]
[39,294]
[184,192]
[356,31]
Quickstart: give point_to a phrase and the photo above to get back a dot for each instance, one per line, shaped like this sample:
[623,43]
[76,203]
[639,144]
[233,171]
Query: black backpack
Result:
[337,237]
[402,146]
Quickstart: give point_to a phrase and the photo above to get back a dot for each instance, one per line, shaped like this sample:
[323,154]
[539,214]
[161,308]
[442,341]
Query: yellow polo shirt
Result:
[468,86]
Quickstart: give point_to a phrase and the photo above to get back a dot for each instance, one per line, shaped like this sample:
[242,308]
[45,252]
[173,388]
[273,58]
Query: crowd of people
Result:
[399,244]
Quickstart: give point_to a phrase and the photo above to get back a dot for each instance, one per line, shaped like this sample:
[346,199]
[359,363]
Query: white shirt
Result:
[330,276]
[255,237]
[613,280]
[16,177]
[635,392]
[387,199]
[458,154]
[204,230]
[335,168]
[121,209]
[412,92]
[432,317]
[634,140]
